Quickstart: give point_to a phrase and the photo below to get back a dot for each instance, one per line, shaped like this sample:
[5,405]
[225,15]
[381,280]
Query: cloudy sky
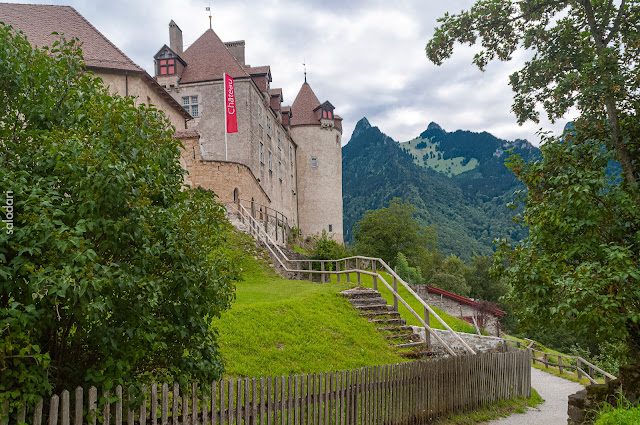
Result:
[365,56]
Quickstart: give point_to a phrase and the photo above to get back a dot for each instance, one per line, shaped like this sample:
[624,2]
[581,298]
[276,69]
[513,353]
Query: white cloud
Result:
[367,58]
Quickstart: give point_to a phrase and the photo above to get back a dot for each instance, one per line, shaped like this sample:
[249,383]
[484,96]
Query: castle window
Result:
[278,140]
[331,227]
[270,161]
[261,152]
[280,171]
[292,187]
[314,161]
[268,125]
[260,115]
[166,66]
[190,104]
[291,156]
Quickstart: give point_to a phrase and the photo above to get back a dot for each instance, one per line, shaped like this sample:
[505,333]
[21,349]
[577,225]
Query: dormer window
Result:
[166,66]
[327,114]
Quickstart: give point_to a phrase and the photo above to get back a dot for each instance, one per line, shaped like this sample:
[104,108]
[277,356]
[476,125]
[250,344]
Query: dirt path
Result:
[555,391]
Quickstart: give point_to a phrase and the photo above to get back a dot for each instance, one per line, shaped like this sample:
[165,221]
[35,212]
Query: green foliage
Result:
[325,248]
[407,273]
[483,285]
[623,413]
[451,282]
[386,232]
[110,271]
[467,211]
[579,267]
[454,266]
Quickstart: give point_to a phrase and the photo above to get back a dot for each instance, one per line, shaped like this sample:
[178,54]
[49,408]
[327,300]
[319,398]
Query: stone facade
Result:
[229,180]
[456,308]
[136,84]
[320,195]
[276,148]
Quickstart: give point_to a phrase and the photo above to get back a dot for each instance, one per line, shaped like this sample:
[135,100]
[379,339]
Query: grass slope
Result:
[451,167]
[278,326]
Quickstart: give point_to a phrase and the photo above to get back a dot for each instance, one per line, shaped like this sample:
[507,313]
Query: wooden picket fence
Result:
[402,393]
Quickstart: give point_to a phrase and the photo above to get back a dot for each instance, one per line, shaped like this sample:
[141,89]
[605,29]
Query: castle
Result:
[284,160]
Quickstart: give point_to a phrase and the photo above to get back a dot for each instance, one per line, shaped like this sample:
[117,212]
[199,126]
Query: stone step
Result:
[374,307]
[405,336]
[377,314]
[409,345]
[389,321]
[367,301]
[360,293]
[396,328]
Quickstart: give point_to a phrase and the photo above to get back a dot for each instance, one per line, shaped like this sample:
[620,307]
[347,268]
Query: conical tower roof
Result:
[208,59]
[302,110]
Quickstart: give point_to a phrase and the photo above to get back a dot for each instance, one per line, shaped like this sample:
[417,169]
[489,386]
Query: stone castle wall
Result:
[244,146]
[117,83]
[220,176]
[320,187]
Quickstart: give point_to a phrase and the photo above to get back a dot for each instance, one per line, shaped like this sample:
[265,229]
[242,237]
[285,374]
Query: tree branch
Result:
[616,24]
[591,19]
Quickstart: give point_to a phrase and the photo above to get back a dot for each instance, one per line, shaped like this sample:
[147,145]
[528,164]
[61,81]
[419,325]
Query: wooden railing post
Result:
[546,361]
[591,372]
[346,267]
[395,291]
[560,364]
[338,270]
[310,274]
[375,276]
[358,268]
[322,270]
[427,335]
[533,356]
[579,366]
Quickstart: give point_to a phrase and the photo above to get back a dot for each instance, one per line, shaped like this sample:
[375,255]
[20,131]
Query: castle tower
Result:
[318,133]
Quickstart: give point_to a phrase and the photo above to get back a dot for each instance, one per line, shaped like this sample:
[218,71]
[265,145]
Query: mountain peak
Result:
[361,126]
[434,126]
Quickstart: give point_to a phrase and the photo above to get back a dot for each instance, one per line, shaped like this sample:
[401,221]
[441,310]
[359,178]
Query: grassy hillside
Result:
[427,153]
[278,326]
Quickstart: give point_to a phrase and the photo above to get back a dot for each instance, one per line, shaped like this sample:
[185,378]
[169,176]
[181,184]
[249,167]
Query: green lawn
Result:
[278,326]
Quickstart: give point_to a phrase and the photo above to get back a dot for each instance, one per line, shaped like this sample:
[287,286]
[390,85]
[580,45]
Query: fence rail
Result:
[403,393]
[591,371]
[363,265]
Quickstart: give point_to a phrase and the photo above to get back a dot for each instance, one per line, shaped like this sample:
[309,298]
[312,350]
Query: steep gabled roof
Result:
[304,105]
[38,21]
[208,59]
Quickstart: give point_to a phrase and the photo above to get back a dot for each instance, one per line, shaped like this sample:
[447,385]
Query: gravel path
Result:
[553,411]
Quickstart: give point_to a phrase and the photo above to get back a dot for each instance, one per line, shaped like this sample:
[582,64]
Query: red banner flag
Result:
[231,123]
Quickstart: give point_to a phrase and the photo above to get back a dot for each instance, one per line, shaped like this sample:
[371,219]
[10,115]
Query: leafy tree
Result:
[386,232]
[454,266]
[483,285]
[579,266]
[406,272]
[109,271]
[450,282]
[326,248]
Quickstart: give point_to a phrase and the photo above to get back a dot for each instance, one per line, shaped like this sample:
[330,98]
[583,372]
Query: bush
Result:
[109,272]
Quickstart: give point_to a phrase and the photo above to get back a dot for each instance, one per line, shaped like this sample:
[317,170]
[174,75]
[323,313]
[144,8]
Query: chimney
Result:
[175,37]
[236,48]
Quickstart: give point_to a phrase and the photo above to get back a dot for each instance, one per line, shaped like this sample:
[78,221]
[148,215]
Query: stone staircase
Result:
[374,308]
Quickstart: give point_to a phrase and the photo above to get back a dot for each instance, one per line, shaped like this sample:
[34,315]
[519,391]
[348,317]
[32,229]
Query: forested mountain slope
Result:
[457,181]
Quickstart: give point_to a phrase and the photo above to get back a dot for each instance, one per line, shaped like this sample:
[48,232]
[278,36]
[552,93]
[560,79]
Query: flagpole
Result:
[224,98]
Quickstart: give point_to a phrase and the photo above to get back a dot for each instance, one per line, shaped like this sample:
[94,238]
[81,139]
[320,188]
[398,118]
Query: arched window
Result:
[236,196]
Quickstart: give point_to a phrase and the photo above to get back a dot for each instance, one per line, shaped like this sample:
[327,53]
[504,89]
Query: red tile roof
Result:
[208,58]
[302,108]
[258,70]
[38,21]
[461,299]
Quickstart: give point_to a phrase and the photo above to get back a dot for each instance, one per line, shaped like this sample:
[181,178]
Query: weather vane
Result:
[305,69]
[208,9]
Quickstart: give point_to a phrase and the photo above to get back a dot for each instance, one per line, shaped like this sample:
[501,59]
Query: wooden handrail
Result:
[579,360]
[282,258]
